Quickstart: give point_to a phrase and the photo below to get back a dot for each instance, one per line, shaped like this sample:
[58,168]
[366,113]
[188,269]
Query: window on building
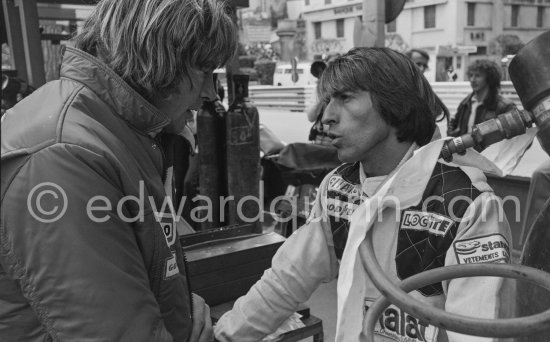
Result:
[515,15]
[391,26]
[429,16]
[307,2]
[339,28]
[471,19]
[540,16]
[327,2]
[481,51]
[317,29]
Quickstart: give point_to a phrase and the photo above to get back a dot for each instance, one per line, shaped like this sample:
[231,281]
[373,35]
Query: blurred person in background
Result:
[484,103]
[451,74]
[13,91]
[420,58]
[315,111]
[317,133]
[88,243]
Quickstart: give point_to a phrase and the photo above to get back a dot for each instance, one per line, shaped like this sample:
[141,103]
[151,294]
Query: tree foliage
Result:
[505,44]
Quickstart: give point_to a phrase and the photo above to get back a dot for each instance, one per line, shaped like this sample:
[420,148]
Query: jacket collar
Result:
[490,106]
[410,180]
[466,101]
[111,88]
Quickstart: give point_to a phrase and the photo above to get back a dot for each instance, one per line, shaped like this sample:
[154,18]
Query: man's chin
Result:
[174,128]
[178,124]
[345,158]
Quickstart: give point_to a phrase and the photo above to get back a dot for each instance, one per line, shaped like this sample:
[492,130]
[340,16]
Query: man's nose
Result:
[329,114]
[208,91]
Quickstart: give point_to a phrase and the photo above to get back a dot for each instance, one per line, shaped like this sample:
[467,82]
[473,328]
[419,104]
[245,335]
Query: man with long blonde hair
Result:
[88,243]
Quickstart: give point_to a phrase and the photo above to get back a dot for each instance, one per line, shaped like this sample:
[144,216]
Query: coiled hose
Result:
[394,294]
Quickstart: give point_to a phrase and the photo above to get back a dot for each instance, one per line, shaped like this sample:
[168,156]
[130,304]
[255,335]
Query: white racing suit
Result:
[442,214]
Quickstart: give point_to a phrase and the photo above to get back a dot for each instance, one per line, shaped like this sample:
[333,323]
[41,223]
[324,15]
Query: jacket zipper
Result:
[192,304]
[184,256]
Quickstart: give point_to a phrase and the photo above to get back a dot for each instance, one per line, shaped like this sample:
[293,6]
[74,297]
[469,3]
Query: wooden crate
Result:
[222,270]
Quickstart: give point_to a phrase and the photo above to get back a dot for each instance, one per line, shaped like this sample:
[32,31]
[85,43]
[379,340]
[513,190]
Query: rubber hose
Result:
[512,327]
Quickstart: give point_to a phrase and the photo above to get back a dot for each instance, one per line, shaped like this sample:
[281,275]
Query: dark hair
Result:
[400,92]
[317,68]
[421,52]
[492,74]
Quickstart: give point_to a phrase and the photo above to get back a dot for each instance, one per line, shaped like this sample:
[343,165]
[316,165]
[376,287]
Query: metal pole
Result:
[15,38]
[34,59]
[374,18]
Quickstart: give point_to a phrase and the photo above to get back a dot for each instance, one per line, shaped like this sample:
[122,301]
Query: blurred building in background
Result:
[453,32]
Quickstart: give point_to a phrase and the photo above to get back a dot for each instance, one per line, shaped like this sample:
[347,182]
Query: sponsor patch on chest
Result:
[490,248]
[171,267]
[339,185]
[340,209]
[425,221]
[397,325]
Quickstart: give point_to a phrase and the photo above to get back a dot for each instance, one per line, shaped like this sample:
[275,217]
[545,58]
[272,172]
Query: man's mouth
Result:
[332,135]
[335,139]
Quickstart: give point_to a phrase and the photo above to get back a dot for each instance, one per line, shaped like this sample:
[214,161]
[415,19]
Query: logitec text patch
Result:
[426,221]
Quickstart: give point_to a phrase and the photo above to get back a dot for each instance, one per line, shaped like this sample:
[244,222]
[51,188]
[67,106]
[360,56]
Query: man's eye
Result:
[206,70]
[344,97]
[209,68]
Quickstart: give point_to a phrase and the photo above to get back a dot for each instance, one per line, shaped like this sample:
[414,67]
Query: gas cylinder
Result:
[242,155]
[212,169]
[530,74]
[532,299]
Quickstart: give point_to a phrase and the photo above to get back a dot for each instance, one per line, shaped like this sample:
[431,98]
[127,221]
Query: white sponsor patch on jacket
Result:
[338,184]
[425,221]
[398,325]
[171,267]
[340,209]
[490,248]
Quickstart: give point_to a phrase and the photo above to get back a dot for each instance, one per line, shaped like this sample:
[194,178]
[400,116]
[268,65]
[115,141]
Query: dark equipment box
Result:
[224,263]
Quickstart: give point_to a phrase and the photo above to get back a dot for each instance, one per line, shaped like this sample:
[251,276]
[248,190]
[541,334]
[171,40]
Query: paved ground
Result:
[288,126]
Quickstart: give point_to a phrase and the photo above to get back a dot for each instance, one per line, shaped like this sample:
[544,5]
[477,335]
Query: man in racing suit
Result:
[424,213]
